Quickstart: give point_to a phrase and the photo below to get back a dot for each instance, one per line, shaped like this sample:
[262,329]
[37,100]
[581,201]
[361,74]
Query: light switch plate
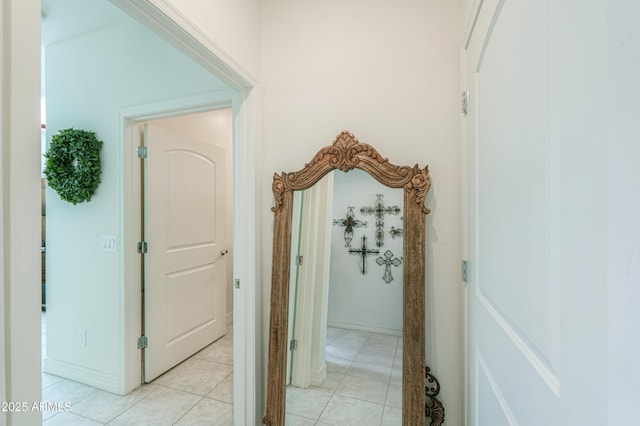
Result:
[108,243]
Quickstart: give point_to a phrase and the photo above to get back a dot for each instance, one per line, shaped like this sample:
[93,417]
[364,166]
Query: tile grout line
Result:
[188,411]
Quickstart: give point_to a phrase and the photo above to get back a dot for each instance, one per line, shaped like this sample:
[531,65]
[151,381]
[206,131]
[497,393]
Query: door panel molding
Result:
[483,371]
[538,362]
[484,22]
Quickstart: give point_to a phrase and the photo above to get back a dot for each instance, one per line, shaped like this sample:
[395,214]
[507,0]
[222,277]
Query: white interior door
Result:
[511,218]
[535,214]
[184,228]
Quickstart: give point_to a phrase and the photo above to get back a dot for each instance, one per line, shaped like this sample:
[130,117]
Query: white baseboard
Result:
[87,376]
[317,377]
[366,328]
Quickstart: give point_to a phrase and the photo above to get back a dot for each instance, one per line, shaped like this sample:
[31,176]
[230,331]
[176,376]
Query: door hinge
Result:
[293,345]
[143,342]
[465,102]
[142,247]
[236,283]
[465,271]
[142,152]
[299,260]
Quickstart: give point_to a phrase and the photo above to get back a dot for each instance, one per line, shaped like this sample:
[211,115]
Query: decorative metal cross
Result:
[379,210]
[349,223]
[363,251]
[396,231]
[387,261]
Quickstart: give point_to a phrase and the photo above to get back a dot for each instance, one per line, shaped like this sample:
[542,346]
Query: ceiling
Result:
[63,19]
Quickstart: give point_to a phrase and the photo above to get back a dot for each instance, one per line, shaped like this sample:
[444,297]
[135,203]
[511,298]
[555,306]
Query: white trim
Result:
[317,377]
[244,315]
[179,106]
[5,186]
[20,190]
[163,19]
[246,310]
[130,230]
[88,376]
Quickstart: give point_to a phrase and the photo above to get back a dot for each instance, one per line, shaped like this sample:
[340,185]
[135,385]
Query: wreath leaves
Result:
[73,164]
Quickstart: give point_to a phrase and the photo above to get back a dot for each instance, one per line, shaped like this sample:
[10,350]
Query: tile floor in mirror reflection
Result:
[363,385]
[199,391]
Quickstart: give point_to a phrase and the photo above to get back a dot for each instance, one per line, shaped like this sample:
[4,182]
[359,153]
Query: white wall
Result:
[216,128]
[88,79]
[357,301]
[623,206]
[389,73]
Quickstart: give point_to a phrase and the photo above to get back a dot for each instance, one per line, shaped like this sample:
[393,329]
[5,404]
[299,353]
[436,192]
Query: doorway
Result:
[187,211]
[23,355]
[129,330]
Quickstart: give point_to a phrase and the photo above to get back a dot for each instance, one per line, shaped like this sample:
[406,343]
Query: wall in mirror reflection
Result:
[360,301]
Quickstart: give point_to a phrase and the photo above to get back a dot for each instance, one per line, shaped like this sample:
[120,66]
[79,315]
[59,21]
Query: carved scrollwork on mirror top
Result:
[347,153]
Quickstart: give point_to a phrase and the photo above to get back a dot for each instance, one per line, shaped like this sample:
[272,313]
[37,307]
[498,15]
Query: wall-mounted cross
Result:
[349,223]
[396,231]
[379,210]
[387,261]
[363,251]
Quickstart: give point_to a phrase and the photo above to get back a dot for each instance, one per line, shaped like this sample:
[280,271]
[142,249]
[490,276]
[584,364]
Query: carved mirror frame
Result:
[344,154]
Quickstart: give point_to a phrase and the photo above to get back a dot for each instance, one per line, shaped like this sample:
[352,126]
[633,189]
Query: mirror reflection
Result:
[344,358]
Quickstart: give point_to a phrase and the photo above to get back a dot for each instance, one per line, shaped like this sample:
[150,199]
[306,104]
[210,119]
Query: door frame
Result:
[129,118]
[161,18]
[22,358]
[135,219]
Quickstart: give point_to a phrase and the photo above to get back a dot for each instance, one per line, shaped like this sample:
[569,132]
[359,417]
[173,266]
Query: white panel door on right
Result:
[511,218]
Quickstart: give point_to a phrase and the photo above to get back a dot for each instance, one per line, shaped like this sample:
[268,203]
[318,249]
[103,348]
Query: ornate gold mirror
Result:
[347,153]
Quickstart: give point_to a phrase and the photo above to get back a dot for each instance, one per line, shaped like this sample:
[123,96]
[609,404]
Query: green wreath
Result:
[73,164]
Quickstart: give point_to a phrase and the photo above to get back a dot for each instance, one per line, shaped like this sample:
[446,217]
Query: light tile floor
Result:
[199,391]
[363,385]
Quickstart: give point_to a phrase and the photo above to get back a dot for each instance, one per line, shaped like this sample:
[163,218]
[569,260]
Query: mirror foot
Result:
[433,408]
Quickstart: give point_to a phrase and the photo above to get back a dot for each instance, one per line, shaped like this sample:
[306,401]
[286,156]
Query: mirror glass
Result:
[344,361]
